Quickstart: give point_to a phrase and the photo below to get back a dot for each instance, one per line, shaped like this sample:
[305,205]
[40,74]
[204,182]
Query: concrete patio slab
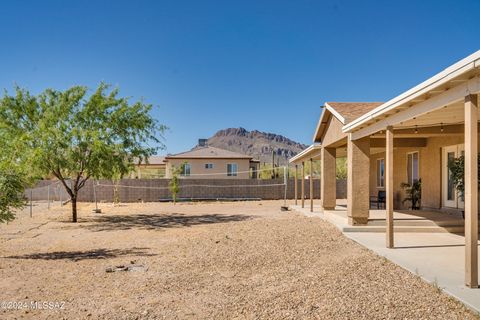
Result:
[438,258]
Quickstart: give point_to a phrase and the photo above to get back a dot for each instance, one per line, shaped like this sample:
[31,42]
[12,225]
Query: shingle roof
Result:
[352,110]
[156,160]
[208,152]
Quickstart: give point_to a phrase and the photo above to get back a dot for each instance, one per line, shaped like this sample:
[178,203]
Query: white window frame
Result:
[184,171]
[380,176]
[411,179]
[232,173]
[208,166]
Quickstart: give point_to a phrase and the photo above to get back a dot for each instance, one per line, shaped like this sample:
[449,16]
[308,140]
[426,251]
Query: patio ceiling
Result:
[437,101]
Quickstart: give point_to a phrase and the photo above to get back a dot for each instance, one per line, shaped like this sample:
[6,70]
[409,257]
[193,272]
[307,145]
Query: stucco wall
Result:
[399,173]
[430,171]
[333,133]
[219,170]
[431,168]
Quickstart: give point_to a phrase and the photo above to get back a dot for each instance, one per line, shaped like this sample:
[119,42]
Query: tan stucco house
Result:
[154,167]
[206,162]
[410,137]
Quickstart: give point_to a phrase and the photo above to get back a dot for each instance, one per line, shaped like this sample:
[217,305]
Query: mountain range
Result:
[257,144]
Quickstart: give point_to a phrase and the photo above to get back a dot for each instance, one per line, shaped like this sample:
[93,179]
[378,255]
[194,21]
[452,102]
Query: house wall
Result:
[333,132]
[150,171]
[399,173]
[219,170]
[430,171]
[431,166]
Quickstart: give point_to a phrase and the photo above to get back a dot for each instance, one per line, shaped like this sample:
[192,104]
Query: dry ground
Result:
[240,260]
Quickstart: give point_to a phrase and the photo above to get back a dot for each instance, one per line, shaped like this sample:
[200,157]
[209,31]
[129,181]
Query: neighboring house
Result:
[409,137]
[206,162]
[153,168]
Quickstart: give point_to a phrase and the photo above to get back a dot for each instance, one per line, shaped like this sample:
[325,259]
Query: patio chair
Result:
[379,199]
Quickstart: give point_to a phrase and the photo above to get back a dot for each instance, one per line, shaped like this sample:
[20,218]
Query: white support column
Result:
[296,183]
[311,185]
[471,191]
[303,184]
[389,186]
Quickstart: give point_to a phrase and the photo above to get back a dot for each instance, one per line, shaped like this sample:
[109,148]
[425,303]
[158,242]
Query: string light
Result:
[441,127]
[416,129]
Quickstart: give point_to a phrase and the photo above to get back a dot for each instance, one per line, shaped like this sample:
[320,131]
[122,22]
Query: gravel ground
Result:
[242,260]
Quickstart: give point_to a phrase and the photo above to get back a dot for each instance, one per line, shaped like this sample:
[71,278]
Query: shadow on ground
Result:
[158,221]
[85,255]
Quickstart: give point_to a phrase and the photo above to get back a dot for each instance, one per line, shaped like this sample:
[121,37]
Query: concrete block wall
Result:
[148,190]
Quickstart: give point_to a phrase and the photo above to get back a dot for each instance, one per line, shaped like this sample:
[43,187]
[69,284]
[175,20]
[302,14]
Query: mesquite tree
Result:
[12,185]
[74,136]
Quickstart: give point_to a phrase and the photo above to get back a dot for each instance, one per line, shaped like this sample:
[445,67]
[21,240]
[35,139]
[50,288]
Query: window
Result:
[232,169]
[380,173]
[208,165]
[186,169]
[412,167]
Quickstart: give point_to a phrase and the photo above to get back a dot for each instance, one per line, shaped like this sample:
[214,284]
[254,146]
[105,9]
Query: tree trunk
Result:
[74,209]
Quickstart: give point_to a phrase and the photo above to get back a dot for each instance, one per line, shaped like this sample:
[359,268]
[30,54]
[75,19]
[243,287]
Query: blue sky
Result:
[208,65]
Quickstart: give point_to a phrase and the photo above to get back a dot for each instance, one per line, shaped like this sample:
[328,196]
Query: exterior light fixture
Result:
[441,127]
[416,129]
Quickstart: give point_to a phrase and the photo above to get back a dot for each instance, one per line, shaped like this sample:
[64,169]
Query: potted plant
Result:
[413,193]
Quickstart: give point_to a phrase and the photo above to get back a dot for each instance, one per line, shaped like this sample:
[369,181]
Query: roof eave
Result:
[455,70]
[305,152]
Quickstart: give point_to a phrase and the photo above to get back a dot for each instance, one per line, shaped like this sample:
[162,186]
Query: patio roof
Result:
[345,112]
[312,152]
[446,89]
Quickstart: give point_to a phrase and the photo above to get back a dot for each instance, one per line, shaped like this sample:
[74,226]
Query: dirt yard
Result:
[243,260]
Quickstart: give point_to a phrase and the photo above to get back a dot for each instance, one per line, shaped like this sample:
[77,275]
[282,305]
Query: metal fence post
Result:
[96,210]
[31,203]
[48,197]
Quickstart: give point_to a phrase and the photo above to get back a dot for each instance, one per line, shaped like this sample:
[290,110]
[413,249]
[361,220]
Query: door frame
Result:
[456,202]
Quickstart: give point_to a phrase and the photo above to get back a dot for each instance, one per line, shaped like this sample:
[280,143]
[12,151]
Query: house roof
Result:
[345,112]
[349,111]
[155,160]
[460,72]
[310,152]
[208,153]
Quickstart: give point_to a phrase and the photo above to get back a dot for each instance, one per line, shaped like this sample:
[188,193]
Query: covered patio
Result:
[408,139]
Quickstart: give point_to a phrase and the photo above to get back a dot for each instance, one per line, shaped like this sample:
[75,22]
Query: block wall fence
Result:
[150,190]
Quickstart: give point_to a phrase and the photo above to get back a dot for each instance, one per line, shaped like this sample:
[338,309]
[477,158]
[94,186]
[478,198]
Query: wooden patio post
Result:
[311,185]
[303,184]
[389,187]
[296,183]
[471,191]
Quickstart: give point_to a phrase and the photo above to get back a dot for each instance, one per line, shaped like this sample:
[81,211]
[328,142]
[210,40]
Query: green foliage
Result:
[75,136]
[457,174]
[11,194]
[342,168]
[413,193]
[174,184]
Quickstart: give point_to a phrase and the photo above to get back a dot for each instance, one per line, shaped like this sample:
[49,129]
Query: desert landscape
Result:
[218,260]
